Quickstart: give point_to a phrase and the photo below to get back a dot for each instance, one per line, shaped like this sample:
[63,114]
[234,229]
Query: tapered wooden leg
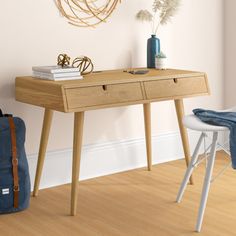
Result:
[48,114]
[147,123]
[77,146]
[179,106]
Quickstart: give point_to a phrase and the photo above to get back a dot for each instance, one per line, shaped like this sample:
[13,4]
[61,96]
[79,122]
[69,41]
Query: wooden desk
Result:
[103,90]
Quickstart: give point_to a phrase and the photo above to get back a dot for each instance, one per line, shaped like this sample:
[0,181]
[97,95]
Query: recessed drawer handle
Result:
[175,80]
[104,87]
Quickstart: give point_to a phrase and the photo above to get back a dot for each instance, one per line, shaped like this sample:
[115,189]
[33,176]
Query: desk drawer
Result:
[103,95]
[175,87]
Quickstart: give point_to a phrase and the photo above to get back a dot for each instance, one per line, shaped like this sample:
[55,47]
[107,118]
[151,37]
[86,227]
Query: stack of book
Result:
[56,73]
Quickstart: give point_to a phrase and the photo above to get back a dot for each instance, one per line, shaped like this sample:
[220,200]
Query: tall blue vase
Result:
[153,48]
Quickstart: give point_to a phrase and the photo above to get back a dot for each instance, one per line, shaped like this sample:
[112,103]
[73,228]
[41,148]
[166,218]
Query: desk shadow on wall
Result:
[134,56]
[114,126]
[7,100]
[7,97]
[124,60]
[7,90]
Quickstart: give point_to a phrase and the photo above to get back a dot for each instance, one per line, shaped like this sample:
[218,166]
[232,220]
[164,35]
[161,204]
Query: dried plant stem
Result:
[163,11]
[158,24]
[153,23]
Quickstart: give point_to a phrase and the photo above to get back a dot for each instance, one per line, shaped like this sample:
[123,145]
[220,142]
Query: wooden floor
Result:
[134,203]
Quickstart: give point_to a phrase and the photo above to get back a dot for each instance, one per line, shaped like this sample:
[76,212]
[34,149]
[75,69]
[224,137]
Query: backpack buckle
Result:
[16,188]
[15,161]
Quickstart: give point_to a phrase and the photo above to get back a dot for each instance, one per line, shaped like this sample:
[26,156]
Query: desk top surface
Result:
[117,76]
[110,88]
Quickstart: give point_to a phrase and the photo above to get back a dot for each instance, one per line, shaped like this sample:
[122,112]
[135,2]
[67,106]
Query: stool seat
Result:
[194,123]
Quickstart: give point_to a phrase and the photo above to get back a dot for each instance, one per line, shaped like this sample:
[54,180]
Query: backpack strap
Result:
[16,188]
[4,115]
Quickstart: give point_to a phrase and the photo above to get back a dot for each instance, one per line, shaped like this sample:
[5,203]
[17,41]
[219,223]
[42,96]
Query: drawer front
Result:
[103,95]
[172,88]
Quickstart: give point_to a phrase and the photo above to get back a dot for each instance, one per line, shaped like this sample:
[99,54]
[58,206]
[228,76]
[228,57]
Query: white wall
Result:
[33,33]
[230,52]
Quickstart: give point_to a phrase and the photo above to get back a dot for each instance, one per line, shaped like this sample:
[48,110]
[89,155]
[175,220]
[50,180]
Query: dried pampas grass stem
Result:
[163,11]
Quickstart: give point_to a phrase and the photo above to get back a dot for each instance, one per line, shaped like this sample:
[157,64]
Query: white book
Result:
[57,75]
[57,79]
[55,69]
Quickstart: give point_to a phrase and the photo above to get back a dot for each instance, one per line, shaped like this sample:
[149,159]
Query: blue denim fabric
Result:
[6,178]
[227,119]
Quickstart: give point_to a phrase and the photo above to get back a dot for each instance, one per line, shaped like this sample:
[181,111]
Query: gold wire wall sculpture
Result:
[86,13]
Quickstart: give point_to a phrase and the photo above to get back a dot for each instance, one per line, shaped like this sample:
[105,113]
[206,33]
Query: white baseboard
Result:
[108,158]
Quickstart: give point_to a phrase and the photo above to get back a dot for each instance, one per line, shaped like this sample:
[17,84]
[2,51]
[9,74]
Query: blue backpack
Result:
[14,171]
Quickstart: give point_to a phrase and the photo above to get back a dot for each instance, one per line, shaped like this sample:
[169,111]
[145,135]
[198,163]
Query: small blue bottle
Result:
[153,48]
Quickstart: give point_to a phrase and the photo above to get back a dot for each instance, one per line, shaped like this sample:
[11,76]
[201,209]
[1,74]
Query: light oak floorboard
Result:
[132,203]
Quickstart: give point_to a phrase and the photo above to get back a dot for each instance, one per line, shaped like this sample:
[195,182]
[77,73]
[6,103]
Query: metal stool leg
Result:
[189,170]
[207,181]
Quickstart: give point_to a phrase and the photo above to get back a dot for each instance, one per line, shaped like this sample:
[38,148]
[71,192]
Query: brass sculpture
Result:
[84,63]
[63,60]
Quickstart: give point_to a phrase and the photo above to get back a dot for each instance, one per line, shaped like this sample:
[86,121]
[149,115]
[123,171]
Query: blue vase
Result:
[153,48]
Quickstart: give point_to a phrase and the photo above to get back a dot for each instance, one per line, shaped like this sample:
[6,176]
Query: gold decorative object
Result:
[63,60]
[84,64]
[86,13]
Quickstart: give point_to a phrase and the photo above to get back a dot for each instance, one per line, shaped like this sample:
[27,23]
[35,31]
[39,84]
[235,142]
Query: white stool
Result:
[192,122]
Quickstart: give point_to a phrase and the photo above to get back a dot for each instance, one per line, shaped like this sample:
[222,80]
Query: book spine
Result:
[69,78]
[40,76]
[68,70]
[55,71]
[60,75]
